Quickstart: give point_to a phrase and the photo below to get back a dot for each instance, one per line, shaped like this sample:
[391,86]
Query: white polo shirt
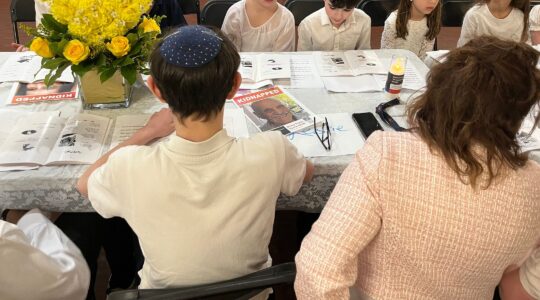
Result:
[204,211]
[316,32]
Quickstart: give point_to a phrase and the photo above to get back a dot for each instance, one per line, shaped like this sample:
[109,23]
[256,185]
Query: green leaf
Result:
[132,37]
[52,63]
[101,60]
[106,74]
[50,23]
[81,68]
[130,73]
[127,61]
[51,78]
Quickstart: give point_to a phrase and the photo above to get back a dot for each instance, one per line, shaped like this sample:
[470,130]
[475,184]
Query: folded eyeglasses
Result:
[324,137]
[380,110]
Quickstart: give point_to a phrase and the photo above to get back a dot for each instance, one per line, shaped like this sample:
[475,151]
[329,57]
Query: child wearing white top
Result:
[534,23]
[260,26]
[414,26]
[503,19]
[337,26]
[201,203]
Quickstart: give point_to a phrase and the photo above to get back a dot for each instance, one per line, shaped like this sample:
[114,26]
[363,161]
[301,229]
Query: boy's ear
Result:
[237,81]
[154,88]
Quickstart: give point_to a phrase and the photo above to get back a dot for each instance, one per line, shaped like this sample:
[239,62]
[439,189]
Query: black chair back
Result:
[303,8]
[240,288]
[453,12]
[378,10]
[21,11]
[213,13]
[191,7]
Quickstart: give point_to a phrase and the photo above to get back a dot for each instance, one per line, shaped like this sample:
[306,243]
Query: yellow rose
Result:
[119,46]
[41,47]
[149,25]
[76,51]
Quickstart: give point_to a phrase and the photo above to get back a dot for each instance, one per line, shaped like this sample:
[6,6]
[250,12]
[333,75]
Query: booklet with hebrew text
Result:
[348,63]
[41,139]
[26,67]
[264,66]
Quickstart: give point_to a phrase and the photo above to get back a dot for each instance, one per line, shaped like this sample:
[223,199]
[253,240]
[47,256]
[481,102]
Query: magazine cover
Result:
[37,92]
[275,109]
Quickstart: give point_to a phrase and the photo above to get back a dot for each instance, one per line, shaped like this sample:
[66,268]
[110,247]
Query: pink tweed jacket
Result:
[401,225]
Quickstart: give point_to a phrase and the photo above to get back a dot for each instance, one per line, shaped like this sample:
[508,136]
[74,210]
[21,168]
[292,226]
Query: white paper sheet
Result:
[345,137]
[438,56]
[357,84]
[526,141]
[234,122]
[304,74]
[22,66]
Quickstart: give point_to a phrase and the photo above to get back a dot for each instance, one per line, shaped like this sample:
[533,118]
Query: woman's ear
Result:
[154,88]
[237,81]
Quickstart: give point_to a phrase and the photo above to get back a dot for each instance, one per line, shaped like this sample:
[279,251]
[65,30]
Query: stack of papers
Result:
[25,67]
[258,70]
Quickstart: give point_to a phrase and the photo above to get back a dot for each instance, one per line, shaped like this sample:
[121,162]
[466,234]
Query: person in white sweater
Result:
[503,19]
[413,26]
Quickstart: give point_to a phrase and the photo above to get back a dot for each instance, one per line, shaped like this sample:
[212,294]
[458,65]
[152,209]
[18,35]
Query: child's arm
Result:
[232,27]
[160,125]
[310,169]
[364,40]
[534,20]
[304,37]
[286,37]
[468,29]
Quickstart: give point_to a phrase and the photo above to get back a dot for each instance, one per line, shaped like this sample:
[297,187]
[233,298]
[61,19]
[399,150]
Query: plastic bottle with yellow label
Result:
[392,88]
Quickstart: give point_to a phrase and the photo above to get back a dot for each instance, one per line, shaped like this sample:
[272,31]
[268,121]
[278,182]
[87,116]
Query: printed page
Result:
[357,84]
[345,138]
[273,66]
[234,122]
[332,64]
[125,126]
[247,67]
[364,62]
[528,136]
[304,74]
[81,140]
[22,66]
[31,140]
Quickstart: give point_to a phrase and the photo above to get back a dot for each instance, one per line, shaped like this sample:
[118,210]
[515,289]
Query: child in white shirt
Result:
[534,23]
[337,26]
[413,26]
[202,203]
[498,18]
[260,26]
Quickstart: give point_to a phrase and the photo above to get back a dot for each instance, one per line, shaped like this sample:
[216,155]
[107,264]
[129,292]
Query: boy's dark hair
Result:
[474,105]
[348,4]
[404,14]
[200,91]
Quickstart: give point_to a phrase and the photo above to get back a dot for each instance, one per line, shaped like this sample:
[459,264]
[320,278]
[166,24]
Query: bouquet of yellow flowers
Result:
[106,35]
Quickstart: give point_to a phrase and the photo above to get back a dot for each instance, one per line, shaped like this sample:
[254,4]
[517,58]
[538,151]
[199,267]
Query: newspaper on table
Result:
[255,68]
[26,67]
[33,92]
[349,63]
[275,109]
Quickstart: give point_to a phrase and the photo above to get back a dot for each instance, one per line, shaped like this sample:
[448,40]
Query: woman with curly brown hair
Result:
[443,210]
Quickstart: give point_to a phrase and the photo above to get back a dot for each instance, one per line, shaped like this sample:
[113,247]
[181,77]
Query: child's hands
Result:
[19,47]
[160,124]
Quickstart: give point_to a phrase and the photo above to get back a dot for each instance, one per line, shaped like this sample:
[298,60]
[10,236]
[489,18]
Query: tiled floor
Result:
[284,242]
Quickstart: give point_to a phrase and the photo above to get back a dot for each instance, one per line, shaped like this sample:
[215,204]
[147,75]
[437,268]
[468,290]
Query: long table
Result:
[53,188]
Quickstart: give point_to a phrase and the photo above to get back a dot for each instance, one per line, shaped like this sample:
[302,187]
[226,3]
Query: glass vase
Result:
[115,92]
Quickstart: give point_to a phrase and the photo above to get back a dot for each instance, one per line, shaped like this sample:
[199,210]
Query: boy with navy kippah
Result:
[201,203]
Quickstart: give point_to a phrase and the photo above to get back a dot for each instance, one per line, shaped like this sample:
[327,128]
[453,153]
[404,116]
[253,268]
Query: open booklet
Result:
[33,92]
[44,139]
[275,109]
[349,63]
[25,67]
[264,66]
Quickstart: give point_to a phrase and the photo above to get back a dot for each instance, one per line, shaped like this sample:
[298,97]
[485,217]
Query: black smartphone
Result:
[367,123]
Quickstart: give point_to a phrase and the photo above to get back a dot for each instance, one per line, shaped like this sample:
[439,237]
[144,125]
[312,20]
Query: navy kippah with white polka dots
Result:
[191,46]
